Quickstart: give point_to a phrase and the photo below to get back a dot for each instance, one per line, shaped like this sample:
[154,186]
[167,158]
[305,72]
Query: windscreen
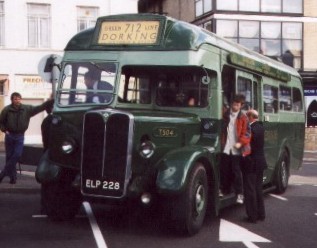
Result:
[87,84]
[164,86]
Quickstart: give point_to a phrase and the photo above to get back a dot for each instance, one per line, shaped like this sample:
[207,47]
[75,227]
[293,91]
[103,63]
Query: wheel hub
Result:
[284,173]
[199,199]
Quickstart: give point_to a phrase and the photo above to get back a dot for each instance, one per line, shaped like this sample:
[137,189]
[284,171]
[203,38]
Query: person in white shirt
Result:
[236,135]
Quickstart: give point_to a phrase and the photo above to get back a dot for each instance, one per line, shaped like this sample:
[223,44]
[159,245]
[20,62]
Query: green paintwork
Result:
[47,171]
[258,67]
[175,166]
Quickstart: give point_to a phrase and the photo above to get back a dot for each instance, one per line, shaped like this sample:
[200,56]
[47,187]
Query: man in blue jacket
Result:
[14,121]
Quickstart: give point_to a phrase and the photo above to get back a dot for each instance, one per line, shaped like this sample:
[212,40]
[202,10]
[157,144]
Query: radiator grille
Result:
[106,150]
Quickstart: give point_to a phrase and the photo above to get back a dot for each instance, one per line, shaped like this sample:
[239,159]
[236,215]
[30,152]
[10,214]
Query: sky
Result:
[124,6]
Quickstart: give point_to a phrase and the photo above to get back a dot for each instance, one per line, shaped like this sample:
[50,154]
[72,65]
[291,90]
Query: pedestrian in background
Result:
[14,121]
[236,136]
[253,171]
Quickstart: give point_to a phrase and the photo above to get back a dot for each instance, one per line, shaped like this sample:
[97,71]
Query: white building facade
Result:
[30,30]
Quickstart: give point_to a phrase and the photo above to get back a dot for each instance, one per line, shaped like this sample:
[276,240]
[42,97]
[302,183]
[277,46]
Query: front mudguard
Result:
[174,167]
[47,171]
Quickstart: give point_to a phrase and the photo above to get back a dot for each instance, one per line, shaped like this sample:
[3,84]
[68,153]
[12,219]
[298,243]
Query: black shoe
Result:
[249,220]
[13,181]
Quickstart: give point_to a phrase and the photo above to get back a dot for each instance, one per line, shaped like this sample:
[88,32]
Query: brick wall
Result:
[311,139]
[310,8]
[310,48]
[310,35]
[180,9]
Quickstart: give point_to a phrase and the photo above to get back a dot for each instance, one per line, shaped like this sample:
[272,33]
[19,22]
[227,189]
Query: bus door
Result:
[249,85]
[270,117]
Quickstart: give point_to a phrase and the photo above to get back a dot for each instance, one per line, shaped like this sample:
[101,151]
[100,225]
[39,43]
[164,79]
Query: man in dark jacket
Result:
[14,121]
[94,85]
[253,171]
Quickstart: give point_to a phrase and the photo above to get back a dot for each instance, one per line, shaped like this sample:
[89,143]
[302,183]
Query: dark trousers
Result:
[253,190]
[14,147]
[230,174]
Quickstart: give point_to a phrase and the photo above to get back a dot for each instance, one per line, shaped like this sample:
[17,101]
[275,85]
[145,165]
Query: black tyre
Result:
[282,174]
[189,209]
[60,201]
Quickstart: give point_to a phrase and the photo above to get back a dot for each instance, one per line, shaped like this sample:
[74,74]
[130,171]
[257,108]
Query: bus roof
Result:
[152,32]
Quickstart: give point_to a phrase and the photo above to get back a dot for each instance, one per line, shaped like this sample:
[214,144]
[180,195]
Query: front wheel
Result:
[60,201]
[282,174]
[189,209]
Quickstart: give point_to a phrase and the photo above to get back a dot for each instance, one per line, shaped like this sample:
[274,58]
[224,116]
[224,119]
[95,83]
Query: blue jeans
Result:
[14,148]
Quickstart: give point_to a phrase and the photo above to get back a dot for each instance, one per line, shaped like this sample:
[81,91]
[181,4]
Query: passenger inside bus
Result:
[181,94]
[191,102]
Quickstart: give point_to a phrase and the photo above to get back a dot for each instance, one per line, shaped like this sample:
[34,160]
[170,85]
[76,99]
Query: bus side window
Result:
[245,88]
[285,96]
[134,89]
[297,100]
[270,100]
[181,88]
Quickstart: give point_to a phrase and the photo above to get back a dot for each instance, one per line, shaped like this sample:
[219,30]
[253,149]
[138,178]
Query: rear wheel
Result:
[282,174]
[60,201]
[189,209]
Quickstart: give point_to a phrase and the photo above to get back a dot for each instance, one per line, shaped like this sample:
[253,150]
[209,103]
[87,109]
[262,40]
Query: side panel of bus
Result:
[280,106]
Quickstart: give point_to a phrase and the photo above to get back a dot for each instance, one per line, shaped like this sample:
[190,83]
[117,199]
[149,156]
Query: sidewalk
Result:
[310,156]
[26,182]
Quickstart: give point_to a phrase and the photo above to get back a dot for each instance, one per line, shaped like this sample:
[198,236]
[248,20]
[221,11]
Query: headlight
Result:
[147,149]
[56,120]
[68,146]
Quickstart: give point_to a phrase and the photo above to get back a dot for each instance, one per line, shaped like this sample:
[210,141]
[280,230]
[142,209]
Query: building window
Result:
[293,6]
[231,5]
[208,25]
[271,6]
[202,6]
[86,17]
[271,35]
[2,86]
[39,25]
[199,7]
[249,5]
[249,33]
[207,5]
[228,29]
[1,23]
[279,40]
[265,6]
[292,43]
